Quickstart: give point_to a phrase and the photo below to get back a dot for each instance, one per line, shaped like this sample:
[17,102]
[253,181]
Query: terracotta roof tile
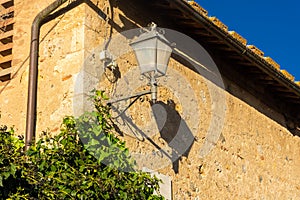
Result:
[256,50]
[272,62]
[287,74]
[219,24]
[198,8]
[238,37]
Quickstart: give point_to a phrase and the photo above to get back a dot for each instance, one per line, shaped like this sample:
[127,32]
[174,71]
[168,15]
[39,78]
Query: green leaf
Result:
[13,169]
[53,168]
[6,175]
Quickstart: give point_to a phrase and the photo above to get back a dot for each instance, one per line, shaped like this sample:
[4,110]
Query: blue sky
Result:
[272,26]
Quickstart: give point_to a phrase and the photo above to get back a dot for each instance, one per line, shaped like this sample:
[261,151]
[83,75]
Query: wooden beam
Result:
[281,89]
[163,5]
[246,63]
[291,96]
[175,13]
[270,82]
[199,32]
[295,101]
[263,77]
[185,21]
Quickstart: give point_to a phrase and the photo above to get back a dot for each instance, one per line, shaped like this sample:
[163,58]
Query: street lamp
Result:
[152,51]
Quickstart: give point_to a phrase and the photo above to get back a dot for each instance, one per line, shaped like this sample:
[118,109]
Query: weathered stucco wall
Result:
[255,157]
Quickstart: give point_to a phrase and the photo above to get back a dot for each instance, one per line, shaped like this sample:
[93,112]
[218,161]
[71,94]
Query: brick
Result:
[6,22]
[272,62]
[219,24]
[5,47]
[287,75]
[4,1]
[6,34]
[256,50]
[5,59]
[6,11]
[5,72]
[238,37]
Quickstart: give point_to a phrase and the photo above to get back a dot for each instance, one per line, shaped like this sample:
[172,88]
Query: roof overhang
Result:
[213,34]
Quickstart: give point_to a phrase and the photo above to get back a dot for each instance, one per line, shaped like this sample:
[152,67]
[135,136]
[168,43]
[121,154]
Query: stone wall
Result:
[61,55]
[255,157]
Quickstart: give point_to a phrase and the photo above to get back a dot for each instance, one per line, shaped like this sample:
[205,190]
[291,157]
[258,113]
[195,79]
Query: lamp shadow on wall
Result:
[173,130]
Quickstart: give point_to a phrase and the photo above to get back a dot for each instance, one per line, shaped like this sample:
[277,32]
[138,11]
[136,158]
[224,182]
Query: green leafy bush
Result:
[11,164]
[84,161]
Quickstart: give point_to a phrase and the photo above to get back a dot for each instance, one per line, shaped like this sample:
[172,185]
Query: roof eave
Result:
[236,44]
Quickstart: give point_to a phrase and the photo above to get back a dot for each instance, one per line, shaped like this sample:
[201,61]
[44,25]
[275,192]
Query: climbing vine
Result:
[84,161]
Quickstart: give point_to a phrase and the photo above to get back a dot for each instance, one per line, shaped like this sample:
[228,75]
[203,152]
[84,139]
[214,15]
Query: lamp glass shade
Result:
[152,51]
[163,54]
[145,53]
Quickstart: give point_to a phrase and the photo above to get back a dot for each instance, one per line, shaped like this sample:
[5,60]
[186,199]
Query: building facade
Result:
[226,125]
